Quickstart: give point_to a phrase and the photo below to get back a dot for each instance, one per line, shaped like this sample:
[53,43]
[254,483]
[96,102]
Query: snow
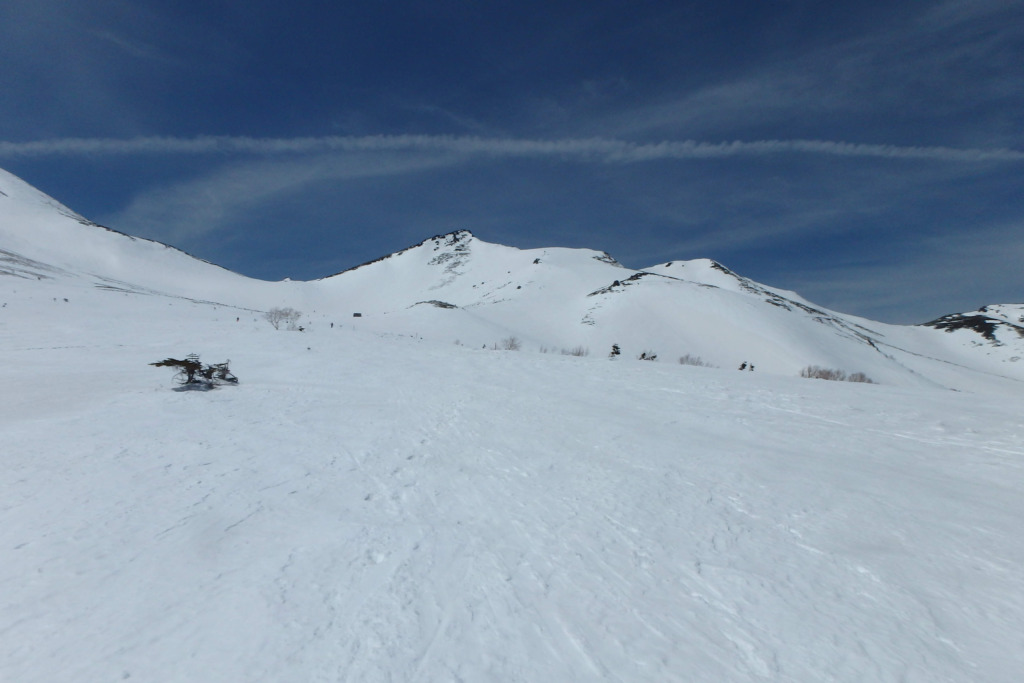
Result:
[386,509]
[374,502]
[550,299]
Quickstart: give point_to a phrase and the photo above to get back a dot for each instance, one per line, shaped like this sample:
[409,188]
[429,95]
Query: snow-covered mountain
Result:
[458,288]
[41,239]
[462,287]
[1000,325]
[373,502]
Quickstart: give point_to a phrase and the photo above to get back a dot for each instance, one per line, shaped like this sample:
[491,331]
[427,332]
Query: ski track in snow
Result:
[370,509]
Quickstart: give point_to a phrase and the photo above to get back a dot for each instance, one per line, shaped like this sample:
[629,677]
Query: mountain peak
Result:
[459,239]
[554,297]
[996,323]
[460,234]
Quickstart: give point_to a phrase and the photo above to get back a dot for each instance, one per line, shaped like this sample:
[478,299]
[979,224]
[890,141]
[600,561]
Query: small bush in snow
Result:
[615,351]
[818,372]
[283,316]
[647,355]
[696,361]
[193,374]
[576,351]
[508,344]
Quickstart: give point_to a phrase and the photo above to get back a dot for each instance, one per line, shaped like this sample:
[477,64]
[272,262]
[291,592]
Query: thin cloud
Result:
[134,48]
[588,149]
[942,275]
[951,70]
[184,212]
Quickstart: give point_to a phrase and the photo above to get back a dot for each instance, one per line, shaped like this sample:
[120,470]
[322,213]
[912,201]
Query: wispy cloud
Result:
[587,149]
[134,48]
[942,275]
[183,212]
[947,74]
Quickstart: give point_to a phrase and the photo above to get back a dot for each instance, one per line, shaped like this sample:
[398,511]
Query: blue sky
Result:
[869,155]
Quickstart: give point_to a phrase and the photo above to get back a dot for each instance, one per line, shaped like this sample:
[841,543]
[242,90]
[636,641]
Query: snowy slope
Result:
[457,288]
[41,239]
[369,508]
[376,503]
[994,326]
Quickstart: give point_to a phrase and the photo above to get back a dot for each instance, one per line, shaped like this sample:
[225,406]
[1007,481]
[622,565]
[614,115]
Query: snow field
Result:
[372,508]
[376,503]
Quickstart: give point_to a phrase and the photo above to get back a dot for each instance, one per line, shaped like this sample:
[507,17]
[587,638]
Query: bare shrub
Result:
[508,344]
[579,351]
[818,372]
[696,361]
[283,316]
[193,374]
[647,355]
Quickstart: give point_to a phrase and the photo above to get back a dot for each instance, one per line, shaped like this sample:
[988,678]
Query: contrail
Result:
[605,150]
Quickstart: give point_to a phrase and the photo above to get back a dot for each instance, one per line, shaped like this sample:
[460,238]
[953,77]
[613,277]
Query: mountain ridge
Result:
[549,298]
